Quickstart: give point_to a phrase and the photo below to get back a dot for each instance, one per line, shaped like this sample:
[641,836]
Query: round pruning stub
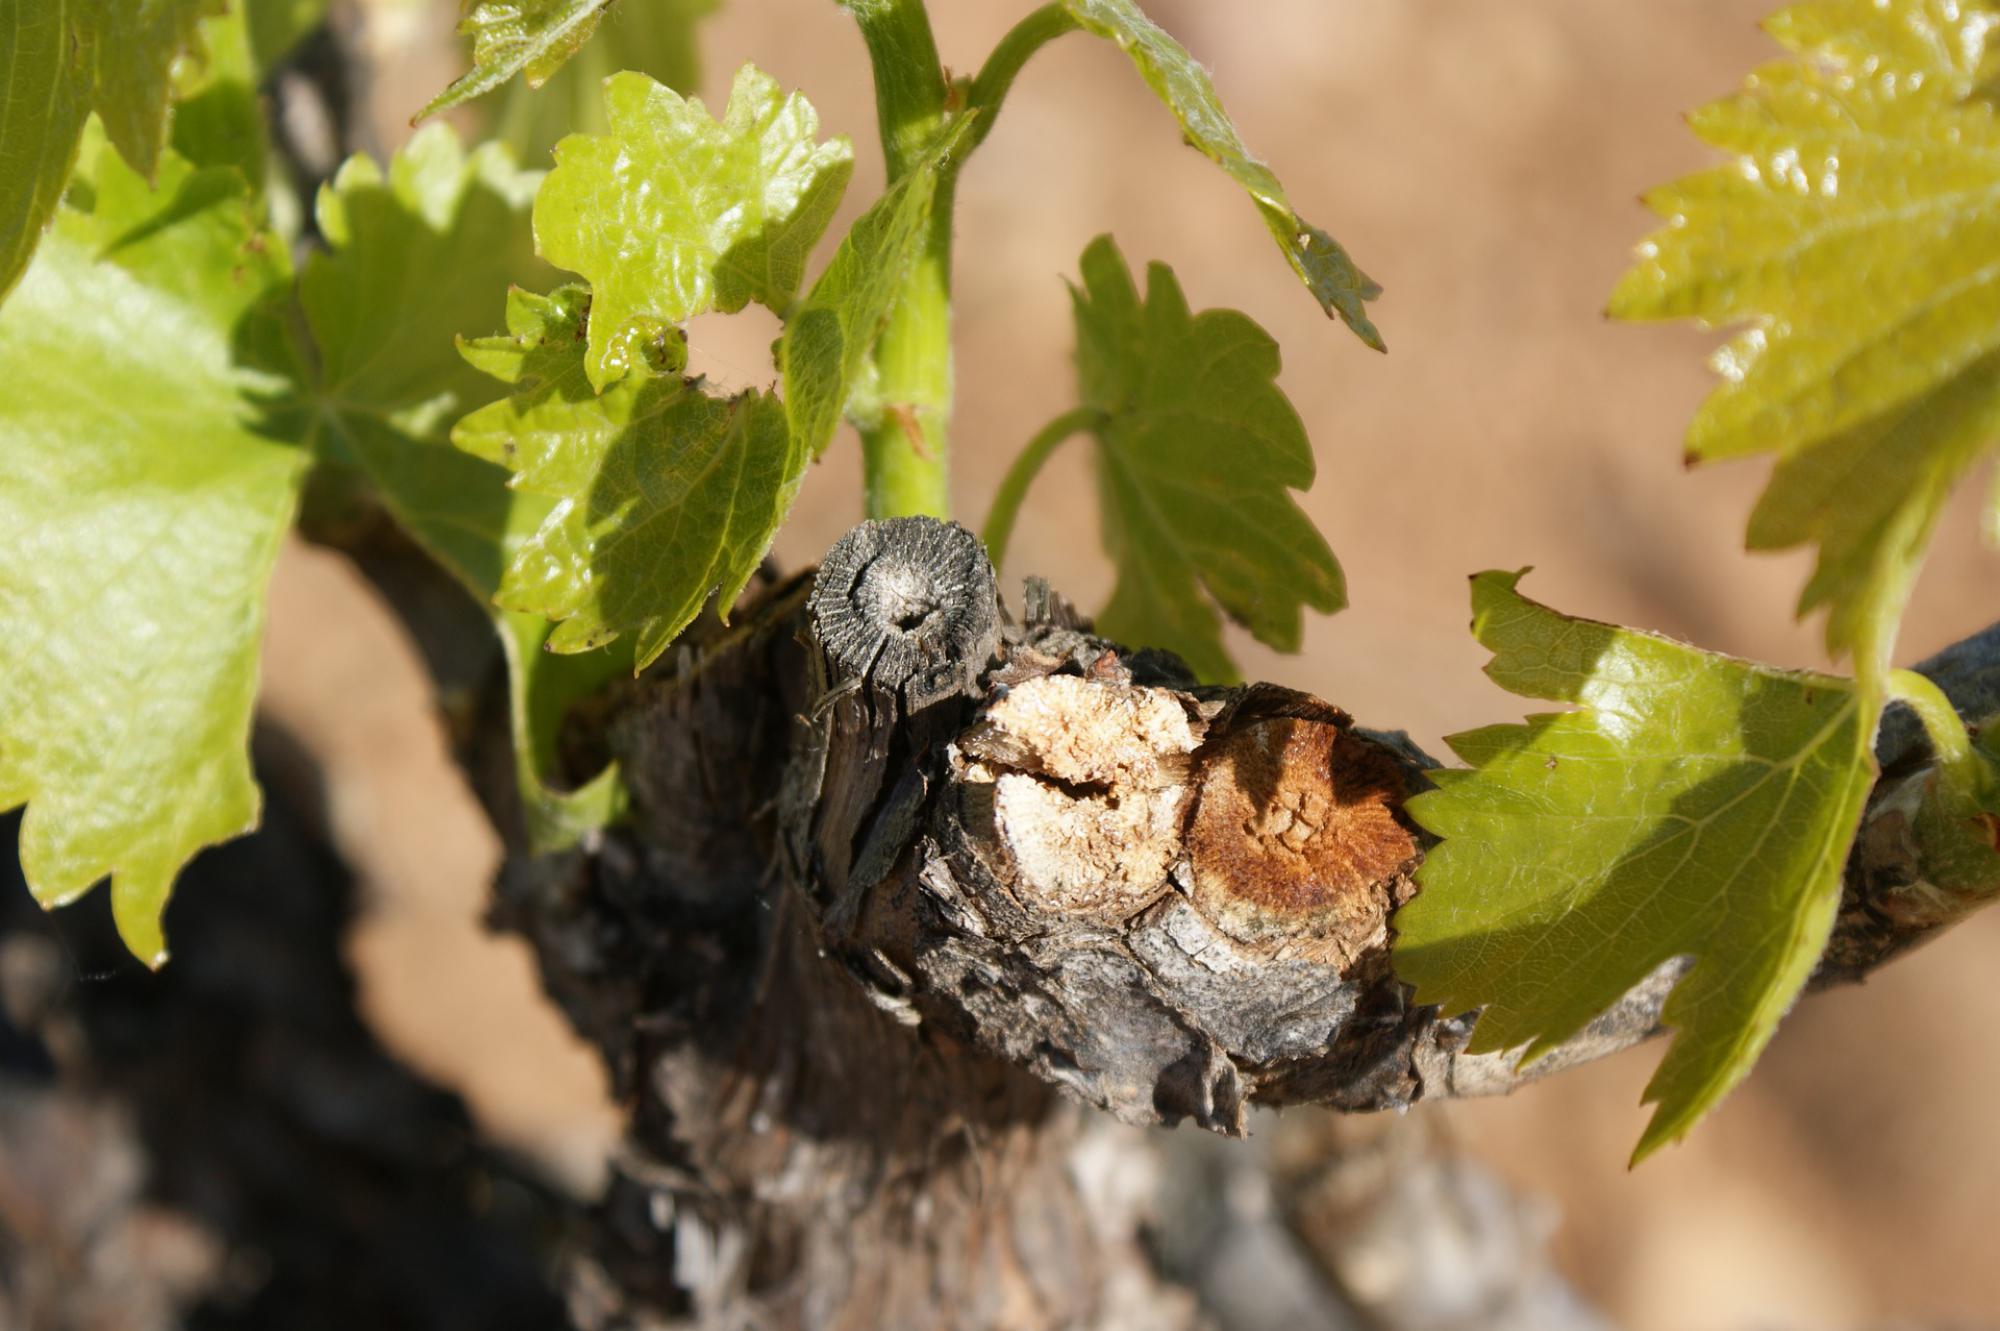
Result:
[908,605]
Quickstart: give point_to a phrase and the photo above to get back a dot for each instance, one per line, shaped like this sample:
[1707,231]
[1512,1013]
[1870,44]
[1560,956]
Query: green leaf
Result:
[1198,449]
[42,109]
[66,58]
[1183,85]
[1694,806]
[665,494]
[218,115]
[823,353]
[541,688]
[1856,232]
[656,38]
[672,214]
[511,37]
[133,45]
[143,504]
[277,26]
[417,257]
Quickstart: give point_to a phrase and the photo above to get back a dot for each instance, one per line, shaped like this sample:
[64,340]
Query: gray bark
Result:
[1348,1222]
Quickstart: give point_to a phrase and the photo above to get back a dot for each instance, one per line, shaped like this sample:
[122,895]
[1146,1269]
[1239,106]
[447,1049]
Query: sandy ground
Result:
[1482,162]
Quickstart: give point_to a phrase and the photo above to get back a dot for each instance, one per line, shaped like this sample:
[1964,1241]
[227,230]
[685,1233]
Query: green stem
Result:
[1014,488]
[1964,766]
[905,449]
[910,91]
[996,76]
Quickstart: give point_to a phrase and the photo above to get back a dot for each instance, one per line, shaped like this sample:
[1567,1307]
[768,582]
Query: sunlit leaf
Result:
[673,213]
[1854,237]
[142,502]
[665,494]
[1694,806]
[509,37]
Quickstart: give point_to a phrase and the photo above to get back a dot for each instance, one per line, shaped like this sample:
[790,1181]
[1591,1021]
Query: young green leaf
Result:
[1856,232]
[1198,448]
[416,257]
[541,688]
[1696,806]
[218,115]
[824,350]
[657,38]
[671,213]
[665,494]
[143,504]
[66,58]
[391,382]
[1183,85]
[510,37]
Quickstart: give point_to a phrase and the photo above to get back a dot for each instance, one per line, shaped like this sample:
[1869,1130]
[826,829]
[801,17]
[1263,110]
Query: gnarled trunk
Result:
[908,881]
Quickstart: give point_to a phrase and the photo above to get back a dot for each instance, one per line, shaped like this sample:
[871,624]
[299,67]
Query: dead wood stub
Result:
[1083,783]
[909,605]
[1155,896]
[1069,856]
[1296,840]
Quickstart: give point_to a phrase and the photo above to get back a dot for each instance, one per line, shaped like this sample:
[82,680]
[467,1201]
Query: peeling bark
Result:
[803,1152]
[907,880]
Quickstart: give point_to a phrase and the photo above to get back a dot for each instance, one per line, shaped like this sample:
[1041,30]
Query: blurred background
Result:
[1483,163]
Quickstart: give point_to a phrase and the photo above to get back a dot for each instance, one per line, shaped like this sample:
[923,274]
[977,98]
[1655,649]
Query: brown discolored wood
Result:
[1295,839]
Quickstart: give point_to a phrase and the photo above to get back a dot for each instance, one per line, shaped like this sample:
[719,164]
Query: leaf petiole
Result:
[1007,501]
[996,76]
[1962,764]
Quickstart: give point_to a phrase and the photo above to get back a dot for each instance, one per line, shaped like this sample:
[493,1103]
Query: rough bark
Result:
[908,880]
[801,1153]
